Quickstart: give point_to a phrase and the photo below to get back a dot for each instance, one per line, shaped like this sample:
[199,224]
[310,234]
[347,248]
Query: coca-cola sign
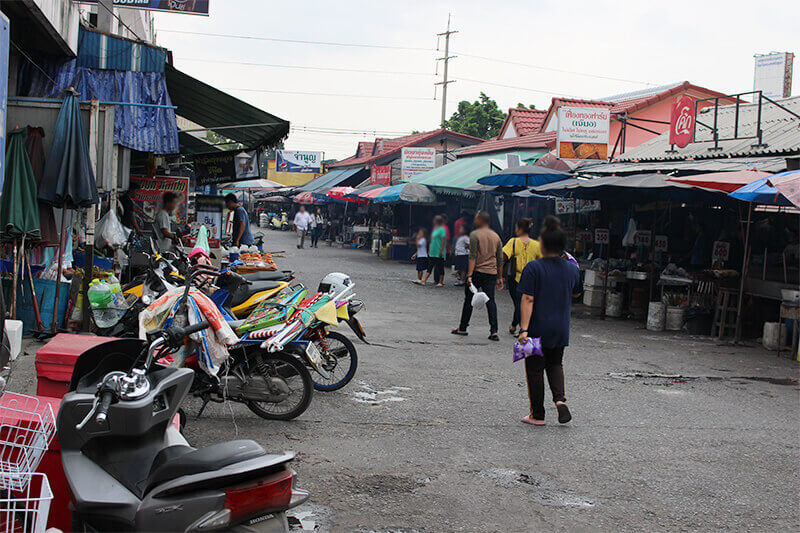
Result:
[681,122]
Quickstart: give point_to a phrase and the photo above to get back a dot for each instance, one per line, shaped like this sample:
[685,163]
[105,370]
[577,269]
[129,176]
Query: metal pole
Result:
[745,264]
[60,268]
[14,280]
[91,216]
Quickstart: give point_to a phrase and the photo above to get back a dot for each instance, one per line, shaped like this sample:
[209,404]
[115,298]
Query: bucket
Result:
[774,335]
[614,304]
[656,316]
[674,318]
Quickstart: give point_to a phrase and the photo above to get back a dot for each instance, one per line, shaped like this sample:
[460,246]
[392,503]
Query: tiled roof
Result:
[536,140]
[369,152]
[525,121]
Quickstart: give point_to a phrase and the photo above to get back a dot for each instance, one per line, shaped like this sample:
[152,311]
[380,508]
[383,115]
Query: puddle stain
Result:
[652,378]
[309,517]
[372,396]
[545,491]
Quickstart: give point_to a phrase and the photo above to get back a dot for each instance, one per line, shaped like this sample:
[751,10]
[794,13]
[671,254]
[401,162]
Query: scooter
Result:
[128,467]
[280,223]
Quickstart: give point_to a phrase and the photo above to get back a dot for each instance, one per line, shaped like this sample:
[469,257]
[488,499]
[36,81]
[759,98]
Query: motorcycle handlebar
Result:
[106,397]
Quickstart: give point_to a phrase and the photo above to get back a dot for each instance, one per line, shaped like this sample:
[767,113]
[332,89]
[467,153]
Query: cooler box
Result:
[56,359]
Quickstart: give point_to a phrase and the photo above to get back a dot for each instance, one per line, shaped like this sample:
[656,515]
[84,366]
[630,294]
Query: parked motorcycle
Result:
[129,468]
[280,222]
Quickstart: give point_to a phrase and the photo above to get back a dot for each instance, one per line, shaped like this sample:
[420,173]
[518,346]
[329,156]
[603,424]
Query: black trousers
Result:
[485,283]
[535,367]
[436,265]
[516,298]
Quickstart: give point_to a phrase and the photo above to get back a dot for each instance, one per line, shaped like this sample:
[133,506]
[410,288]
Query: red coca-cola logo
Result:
[681,123]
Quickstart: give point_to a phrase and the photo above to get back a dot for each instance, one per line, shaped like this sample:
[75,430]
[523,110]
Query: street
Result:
[669,432]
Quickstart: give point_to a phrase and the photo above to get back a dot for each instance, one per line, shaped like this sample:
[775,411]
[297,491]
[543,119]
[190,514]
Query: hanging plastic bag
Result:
[479,298]
[202,240]
[110,232]
[629,238]
[533,346]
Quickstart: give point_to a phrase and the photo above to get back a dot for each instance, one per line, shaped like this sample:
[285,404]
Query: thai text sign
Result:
[224,167]
[415,161]
[681,122]
[187,7]
[147,199]
[583,132]
[564,207]
[380,175]
[298,161]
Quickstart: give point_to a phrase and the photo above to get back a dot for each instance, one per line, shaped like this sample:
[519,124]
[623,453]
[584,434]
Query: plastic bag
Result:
[533,346]
[629,238]
[110,232]
[479,298]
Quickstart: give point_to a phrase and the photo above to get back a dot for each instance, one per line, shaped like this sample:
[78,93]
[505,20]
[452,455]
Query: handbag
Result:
[510,266]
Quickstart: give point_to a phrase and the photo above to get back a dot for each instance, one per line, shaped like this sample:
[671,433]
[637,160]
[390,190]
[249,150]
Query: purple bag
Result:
[533,346]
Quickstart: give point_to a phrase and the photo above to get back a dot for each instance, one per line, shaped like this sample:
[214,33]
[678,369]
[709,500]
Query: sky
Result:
[537,49]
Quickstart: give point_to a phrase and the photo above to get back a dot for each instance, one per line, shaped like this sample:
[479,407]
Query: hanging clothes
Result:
[47,221]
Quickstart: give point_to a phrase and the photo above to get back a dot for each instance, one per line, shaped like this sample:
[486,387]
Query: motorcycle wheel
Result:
[297,378]
[344,360]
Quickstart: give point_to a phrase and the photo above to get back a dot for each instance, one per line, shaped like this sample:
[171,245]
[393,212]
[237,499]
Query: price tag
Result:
[601,236]
[721,251]
[585,236]
[661,243]
[643,238]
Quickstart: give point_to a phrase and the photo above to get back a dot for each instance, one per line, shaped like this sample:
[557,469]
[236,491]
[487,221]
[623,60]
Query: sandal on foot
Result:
[512,330]
[459,332]
[564,415]
[494,337]
[532,421]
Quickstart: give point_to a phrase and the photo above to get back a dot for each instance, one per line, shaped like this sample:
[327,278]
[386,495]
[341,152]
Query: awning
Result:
[222,113]
[462,173]
[334,178]
[723,181]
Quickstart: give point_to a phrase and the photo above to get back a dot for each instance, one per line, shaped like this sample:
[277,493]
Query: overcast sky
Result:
[578,44]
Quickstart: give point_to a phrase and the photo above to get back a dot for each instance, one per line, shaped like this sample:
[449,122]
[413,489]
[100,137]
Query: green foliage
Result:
[481,118]
[523,106]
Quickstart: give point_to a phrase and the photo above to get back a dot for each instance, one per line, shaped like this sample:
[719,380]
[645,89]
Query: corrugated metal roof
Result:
[768,164]
[331,179]
[463,173]
[781,134]
[642,93]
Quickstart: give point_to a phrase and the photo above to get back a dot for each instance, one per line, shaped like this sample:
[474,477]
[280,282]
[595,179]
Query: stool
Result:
[725,313]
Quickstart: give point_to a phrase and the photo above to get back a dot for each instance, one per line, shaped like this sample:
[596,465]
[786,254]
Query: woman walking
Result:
[518,252]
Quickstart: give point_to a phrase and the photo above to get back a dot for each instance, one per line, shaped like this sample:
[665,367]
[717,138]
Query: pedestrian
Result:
[485,263]
[163,223]
[126,205]
[547,287]
[240,233]
[461,256]
[421,255]
[302,221]
[318,223]
[518,252]
[436,253]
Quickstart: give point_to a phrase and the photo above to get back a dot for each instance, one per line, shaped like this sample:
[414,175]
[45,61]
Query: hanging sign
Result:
[583,132]
[186,7]
[661,243]
[681,122]
[415,161]
[565,207]
[298,161]
[721,251]
[225,167]
[601,236]
[209,213]
[585,236]
[643,238]
[147,199]
[380,175]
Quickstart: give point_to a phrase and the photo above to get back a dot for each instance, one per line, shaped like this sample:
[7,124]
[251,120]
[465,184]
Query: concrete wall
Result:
[59,19]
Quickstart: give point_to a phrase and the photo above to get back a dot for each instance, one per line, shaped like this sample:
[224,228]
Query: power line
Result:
[387,97]
[32,62]
[549,93]
[303,67]
[355,131]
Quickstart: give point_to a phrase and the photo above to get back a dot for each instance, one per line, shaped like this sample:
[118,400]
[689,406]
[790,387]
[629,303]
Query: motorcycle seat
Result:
[275,275]
[246,291]
[176,461]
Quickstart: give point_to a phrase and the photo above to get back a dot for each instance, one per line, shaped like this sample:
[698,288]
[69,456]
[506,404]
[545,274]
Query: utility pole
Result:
[445,81]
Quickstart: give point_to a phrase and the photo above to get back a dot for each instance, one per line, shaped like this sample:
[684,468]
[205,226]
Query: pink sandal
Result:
[533,421]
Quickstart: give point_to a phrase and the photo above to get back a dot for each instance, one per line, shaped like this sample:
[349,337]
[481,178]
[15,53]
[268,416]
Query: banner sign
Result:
[565,207]
[147,199]
[209,213]
[583,132]
[643,238]
[721,251]
[661,243]
[681,122]
[601,236]
[773,74]
[415,161]
[380,175]
[298,161]
[186,7]
[223,167]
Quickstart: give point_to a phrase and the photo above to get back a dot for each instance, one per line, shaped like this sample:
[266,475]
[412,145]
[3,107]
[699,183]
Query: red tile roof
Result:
[368,152]
[525,121]
[536,140]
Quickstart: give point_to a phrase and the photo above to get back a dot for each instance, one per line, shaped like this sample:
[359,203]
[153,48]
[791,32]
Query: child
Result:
[462,254]
[421,256]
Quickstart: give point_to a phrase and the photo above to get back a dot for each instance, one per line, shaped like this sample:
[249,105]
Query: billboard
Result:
[298,161]
[225,167]
[415,161]
[187,7]
[773,74]
[583,132]
[380,175]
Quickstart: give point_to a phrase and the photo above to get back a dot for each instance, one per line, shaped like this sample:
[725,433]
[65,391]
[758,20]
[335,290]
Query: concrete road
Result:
[670,432]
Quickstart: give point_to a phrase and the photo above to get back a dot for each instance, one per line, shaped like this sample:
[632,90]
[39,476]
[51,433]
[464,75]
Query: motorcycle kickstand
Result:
[206,398]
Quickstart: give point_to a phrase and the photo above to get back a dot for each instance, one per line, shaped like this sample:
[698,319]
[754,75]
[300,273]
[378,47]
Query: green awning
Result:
[463,174]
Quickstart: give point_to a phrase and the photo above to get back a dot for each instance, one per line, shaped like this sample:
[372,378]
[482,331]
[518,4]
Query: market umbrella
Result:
[337,193]
[761,192]
[788,184]
[551,160]
[306,197]
[722,181]
[524,176]
[410,193]
[19,211]
[276,199]
[369,193]
[254,185]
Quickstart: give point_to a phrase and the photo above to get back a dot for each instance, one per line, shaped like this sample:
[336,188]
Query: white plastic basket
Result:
[26,429]
[26,510]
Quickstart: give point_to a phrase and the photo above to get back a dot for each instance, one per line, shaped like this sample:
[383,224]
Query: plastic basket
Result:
[26,429]
[26,510]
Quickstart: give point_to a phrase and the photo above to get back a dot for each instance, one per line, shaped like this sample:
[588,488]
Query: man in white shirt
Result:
[302,221]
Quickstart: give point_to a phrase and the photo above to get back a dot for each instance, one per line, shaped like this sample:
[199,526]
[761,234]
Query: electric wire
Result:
[303,67]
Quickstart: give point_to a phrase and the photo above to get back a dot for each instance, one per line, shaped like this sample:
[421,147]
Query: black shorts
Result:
[461,262]
[422,264]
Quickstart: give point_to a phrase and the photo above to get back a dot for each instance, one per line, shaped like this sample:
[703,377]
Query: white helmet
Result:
[335,284]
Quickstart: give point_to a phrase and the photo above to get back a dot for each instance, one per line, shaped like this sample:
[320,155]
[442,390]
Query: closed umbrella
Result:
[524,176]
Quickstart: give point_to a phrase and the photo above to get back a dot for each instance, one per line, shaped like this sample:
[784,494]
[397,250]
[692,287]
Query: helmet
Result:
[335,283]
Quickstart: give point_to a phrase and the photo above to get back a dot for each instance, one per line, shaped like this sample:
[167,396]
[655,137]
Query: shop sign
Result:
[565,207]
[681,122]
[643,238]
[186,7]
[721,251]
[415,161]
[209,213]
[147,198]
[298,161]
[380,175]
[661,243]
[601,236]
[225,167]
[583,132]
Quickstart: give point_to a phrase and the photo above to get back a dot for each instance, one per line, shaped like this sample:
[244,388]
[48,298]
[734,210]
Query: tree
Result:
[523,106]
[481,118]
